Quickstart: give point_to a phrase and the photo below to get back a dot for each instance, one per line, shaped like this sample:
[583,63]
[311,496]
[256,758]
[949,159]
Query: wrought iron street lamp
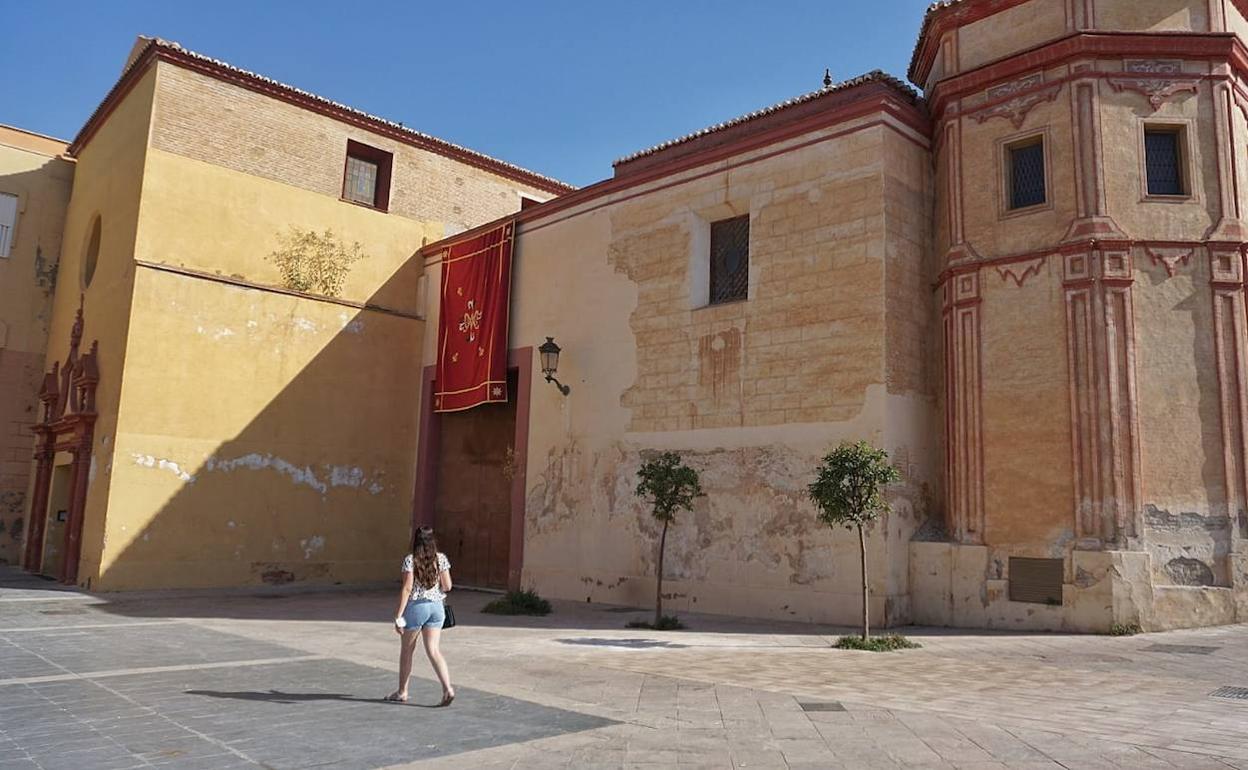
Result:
[550,363]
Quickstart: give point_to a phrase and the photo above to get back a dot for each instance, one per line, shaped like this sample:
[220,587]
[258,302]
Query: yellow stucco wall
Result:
[263,435]
[107,184]
[34,170]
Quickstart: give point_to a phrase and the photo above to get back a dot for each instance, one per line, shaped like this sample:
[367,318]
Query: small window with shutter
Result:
[1163,161]
[1025,174]
[8,223]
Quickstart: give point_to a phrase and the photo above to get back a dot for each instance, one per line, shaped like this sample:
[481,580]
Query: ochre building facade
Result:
[1024,279]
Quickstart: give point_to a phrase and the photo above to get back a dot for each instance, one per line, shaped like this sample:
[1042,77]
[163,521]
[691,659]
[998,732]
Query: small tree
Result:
[669,486]
[848,492]
[315,262]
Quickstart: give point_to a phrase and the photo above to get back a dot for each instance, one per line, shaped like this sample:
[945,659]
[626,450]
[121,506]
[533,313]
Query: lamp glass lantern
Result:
[550,363]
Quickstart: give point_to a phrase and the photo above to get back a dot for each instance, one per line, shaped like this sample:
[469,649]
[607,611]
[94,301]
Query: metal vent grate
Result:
[1038,581]
[1234,693]
[827,706]
[730,259]
[1181,649]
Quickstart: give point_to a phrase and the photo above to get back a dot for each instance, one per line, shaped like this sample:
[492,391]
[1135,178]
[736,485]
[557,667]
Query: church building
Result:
[282,332]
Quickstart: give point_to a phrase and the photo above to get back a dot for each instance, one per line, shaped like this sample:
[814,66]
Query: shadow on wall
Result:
[25,313]
[320,404]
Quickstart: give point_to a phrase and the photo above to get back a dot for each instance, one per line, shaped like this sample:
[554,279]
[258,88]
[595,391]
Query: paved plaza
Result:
[293,680]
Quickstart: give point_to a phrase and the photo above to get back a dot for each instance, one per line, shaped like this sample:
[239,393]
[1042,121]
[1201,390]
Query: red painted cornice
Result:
[943,17]
[873,98]
[1221,46]
[177,56]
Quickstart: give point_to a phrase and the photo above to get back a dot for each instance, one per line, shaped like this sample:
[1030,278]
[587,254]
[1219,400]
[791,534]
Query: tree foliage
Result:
[849,486]
[315,263]
[668,485]
[848,490]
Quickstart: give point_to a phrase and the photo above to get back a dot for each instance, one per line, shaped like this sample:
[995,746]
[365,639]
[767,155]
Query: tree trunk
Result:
[866,606]
[658,591]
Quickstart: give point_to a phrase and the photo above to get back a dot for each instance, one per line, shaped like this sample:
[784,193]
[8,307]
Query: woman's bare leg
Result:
[431,637]
[407,647]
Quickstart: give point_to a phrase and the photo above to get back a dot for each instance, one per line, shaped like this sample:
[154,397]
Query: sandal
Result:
[395,697]
[446,700]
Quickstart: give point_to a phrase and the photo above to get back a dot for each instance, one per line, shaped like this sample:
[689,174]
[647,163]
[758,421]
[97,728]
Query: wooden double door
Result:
[472,504]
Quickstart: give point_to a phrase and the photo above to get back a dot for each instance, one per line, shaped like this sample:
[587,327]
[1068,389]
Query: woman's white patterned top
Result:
[435,593]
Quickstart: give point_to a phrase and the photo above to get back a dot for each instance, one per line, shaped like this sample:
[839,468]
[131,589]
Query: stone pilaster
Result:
[964,461]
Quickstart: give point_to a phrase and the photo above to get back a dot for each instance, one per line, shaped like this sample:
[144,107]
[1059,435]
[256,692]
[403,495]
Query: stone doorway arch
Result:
[68,425]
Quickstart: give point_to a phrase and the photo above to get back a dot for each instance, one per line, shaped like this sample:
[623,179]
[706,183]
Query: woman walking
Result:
[426,579]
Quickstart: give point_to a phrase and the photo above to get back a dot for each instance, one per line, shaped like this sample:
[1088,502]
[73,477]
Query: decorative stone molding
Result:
[964,464]
[1158,92]
[1100,332]
[1170,259]
[1019,272]
[1163,80]
[1226,266]
[1020,98]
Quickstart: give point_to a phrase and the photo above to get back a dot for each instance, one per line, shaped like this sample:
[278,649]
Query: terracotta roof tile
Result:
[875,76]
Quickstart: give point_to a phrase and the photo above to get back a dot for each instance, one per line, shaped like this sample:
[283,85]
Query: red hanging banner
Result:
[472,323]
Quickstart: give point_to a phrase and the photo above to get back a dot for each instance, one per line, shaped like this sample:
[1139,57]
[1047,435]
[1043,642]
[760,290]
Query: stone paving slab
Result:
[577,690]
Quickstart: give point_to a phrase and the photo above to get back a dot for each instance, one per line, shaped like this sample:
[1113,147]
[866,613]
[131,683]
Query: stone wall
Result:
[751,393]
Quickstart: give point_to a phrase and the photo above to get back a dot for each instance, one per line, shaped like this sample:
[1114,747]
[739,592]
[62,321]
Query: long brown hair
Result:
[425,558]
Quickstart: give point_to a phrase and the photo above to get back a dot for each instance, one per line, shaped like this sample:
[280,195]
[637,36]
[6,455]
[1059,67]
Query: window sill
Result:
[1025,210]
[729,303]
[1148,198]
[364,205]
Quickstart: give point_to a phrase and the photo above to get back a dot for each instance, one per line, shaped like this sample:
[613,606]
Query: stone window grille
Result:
[366,177]
[730,260]
[1026,174]
[1163,161]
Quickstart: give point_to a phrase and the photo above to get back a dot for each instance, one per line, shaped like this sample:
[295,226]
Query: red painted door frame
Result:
[520,359]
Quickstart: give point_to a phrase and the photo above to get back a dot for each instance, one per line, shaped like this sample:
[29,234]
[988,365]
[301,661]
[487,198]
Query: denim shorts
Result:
[423,613]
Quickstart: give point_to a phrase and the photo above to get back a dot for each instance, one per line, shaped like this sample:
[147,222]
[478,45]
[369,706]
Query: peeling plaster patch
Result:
[255,462]
[252,325]
[230,524]
[222,333]
[91,469]
[312,545]
[304,325]
[345,477]
[333,476]
[147,461]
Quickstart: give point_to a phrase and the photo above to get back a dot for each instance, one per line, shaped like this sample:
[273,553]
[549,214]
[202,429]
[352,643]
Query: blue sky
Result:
[562,88]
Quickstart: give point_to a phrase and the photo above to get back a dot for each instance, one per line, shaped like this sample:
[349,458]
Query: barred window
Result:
[1026,174]
[366,178]
[8,221]
[1163,162]
[730,259]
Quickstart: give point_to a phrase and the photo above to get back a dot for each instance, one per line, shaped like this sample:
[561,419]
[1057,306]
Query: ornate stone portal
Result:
[68,425]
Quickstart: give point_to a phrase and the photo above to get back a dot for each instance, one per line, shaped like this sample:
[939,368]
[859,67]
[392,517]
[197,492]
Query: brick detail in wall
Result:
[199,117]
[809,341]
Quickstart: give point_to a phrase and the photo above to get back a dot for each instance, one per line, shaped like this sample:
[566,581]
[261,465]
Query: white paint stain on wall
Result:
[312,545]
[351,325]
[304,325]
[329,477]
[254,461]
[148,461]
